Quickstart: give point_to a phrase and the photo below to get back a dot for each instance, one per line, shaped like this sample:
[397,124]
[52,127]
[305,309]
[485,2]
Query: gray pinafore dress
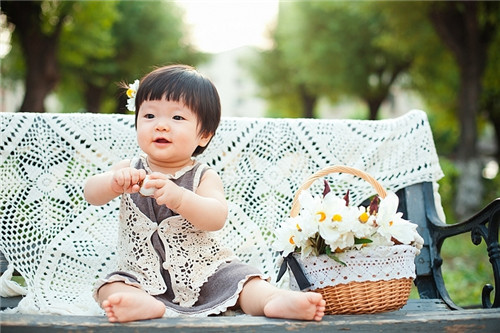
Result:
[162,253]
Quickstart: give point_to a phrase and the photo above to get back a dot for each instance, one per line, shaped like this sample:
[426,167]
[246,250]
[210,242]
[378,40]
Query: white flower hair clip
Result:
[131,92]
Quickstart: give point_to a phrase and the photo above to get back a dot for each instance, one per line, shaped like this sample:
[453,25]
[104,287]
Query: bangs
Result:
[185,85]
[184,88]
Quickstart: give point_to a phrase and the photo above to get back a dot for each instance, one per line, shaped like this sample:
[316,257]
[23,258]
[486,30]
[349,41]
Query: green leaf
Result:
[329,253]
[362,240]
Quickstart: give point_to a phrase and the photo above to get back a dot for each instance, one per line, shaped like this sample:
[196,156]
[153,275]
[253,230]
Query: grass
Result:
[466,269]
[19,279]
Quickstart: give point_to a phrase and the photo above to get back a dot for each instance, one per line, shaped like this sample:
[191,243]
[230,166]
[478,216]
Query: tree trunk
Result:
[39,50]
[121,106]
[42,71]
[308,102]
[496,125]
[373,107]
[378,94]
[494,116]
[457,24]
[492,107]
[93,97]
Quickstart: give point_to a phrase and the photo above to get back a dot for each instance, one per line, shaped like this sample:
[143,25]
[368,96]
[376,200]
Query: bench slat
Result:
[416,316]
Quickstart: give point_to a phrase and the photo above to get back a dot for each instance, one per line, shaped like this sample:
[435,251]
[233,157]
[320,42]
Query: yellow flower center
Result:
[363,218]
[322,216]
[337,218]
[291,240]
[391,223]
[130,92]
[298,227]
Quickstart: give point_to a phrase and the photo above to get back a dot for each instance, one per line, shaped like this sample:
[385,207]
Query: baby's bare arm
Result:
[104,187]
[206,209]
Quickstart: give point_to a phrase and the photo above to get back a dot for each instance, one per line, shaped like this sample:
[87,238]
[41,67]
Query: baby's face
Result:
[168,132]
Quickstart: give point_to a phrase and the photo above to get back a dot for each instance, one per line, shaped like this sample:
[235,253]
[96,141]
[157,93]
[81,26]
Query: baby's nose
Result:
[162,126]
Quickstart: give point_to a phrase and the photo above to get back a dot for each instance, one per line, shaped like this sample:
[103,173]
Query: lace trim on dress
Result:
[220,308]
[114,278]
[176,175]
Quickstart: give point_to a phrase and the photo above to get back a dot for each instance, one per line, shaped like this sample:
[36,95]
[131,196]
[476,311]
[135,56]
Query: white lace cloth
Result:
[61,245]
[368,264]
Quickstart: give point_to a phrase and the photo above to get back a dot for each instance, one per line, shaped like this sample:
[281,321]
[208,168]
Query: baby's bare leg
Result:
[123,303]
[259,297]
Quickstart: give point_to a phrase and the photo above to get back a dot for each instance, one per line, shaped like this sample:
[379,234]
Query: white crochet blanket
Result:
[61,245]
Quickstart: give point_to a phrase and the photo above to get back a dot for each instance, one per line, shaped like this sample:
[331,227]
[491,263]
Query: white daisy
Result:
[131,92]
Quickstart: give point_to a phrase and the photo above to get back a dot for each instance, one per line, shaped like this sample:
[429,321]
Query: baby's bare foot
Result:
[124,307]
[296,305]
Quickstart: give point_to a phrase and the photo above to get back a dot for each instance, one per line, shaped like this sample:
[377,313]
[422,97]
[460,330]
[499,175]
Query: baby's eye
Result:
[149,116]
[178,117]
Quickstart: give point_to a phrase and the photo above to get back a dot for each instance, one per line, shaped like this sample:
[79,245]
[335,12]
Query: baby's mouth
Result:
[161,140]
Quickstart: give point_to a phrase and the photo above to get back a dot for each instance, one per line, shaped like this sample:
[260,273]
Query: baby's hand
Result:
[147,190]
[126,180]
[166,192]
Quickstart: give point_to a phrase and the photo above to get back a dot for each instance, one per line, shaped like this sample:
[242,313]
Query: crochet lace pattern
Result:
[368,264]
[61,245]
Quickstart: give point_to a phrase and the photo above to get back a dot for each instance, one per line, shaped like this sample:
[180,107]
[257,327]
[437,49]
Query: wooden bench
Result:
[60,244]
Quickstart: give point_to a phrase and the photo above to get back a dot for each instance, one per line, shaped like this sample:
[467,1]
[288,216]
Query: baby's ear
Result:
[205,139]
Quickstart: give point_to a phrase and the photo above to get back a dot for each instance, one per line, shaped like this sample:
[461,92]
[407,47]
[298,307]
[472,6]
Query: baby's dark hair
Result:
[182,83]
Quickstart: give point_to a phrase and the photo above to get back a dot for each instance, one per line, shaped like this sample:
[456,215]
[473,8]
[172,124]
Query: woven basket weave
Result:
[358,297]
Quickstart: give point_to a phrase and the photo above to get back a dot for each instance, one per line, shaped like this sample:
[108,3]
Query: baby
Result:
[170,264]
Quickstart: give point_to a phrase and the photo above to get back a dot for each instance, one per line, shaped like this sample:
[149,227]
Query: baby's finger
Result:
[157,183]
[135,177]
[119,178]
[142,174]
[135,188]
[127,179]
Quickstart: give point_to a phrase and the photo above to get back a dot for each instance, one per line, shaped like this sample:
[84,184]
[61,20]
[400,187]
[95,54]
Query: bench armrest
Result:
[482,226]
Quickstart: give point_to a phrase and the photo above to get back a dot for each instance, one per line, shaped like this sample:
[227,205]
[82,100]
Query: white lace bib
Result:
[191,255]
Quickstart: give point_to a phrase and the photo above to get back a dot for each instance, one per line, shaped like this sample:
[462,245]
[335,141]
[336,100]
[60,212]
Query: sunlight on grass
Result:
[466,269]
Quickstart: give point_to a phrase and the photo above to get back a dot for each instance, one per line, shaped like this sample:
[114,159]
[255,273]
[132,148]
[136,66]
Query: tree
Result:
[38,26]
[87,47]
[355,36]
[454,70]
[82,49]
[467,29]
[286,94]
[330,49]
[136,36]
[490,96]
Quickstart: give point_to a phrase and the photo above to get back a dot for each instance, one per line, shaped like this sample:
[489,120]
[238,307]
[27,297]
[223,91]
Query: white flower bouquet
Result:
[335,244]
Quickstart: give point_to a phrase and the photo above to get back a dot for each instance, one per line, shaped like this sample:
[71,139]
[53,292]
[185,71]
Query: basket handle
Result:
[332,169]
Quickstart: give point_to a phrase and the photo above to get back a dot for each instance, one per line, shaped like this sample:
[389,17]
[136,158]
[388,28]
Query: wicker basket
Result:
[357,297]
